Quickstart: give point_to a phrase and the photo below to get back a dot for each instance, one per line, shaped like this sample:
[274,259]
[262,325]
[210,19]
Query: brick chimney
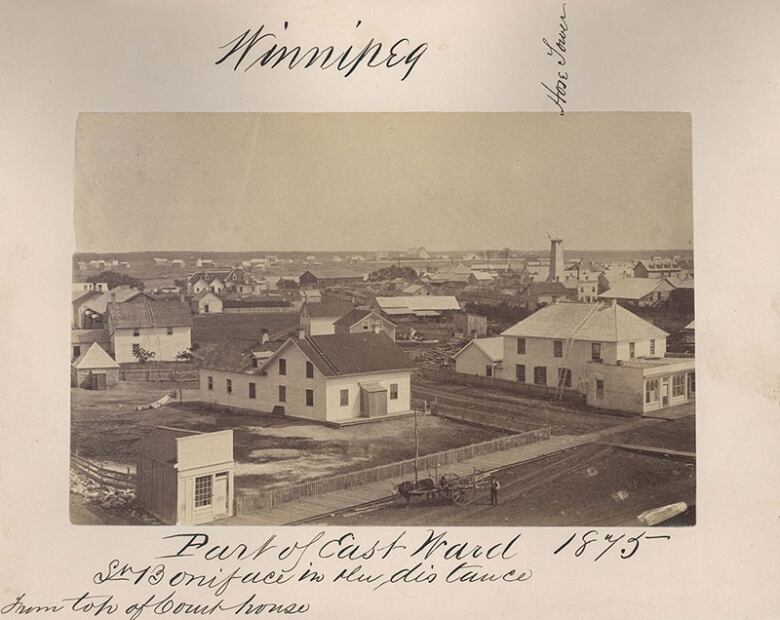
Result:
[264,335]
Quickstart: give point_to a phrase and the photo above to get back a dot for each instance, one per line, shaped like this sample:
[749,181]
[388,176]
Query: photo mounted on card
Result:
[398,319]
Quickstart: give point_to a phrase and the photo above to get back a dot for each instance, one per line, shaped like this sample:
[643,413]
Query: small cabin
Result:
[185,477]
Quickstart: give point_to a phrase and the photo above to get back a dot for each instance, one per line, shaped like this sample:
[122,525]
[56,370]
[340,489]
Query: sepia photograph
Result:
[383,319]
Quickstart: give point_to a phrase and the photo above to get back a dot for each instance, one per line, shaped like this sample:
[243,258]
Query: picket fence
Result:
[253,502]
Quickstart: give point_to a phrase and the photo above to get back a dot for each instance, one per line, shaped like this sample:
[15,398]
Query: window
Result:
[252,390]
[282,394]
[169,331]
[310,398]
[540,375]
[254,362]
[393,391]
[76,350]
[228,386]
[595,351]
[651,391]
[521,346]
[136,331]
[652,346]
[202,491]
[678,385]
[282,366]
[210,383]
[365,326]
[344,398]
[136,349]
[557,348]
[599,388]
[488,370]
[691,383]
[564,377]
[309,370]
[631,350]
[205,309]
[520,373]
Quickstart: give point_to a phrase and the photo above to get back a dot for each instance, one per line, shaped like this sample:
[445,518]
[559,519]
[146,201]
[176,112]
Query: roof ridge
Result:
[319,351]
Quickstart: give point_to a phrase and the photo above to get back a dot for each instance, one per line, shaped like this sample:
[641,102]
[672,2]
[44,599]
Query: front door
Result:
[220,497]
[665,392]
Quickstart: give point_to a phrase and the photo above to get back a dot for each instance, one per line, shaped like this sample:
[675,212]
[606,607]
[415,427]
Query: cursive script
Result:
[242,53]
[557,50]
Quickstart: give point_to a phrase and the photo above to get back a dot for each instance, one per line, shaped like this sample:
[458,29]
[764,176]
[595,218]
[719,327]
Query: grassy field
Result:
[269,451]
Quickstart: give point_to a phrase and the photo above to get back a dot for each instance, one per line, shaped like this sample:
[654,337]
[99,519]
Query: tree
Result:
[143,355]
[285,283]
[114,279]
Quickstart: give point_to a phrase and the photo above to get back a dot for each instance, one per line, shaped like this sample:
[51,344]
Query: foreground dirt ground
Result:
[269,451]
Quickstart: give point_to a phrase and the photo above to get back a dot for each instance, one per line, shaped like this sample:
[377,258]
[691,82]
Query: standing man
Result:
[495,485]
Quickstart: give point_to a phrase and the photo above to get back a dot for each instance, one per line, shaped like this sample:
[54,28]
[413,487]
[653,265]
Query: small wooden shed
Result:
[185,477]
[94,369]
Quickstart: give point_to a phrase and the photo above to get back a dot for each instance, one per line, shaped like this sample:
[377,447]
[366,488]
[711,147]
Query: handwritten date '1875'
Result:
[593,543]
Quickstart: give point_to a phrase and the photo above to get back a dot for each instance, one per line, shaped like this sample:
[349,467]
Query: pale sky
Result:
[449,181]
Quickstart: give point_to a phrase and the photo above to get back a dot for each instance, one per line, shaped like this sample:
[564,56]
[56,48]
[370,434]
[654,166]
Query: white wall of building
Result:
[352,383]
[474,361]
[540,352]
[165,346]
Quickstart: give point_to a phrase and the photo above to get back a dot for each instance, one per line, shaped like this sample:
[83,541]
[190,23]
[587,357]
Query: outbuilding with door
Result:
[185,477]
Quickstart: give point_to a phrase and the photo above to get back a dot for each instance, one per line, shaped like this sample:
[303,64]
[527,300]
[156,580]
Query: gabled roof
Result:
[594,322]
[207,276]
[414,288]
[636,288]
[80,336]
[349,319]
[680,282]
[328,309]
[235,354]
[349,354]
[493,347]
[94,357]
[119,294]
[152,314]
[80,297]
[658,264]
[205,293]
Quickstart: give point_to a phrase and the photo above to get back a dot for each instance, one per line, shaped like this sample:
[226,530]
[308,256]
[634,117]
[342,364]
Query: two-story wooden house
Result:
[329,378]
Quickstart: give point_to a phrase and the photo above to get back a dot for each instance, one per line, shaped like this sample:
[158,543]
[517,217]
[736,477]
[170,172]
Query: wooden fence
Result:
[159,371]
[546,392]
[101,475]
[252,502]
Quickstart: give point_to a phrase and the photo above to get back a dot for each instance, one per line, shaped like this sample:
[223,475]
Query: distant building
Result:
[656,267]
[364,322]
[308,280]
[419,253]
[481,356]
[470,326]
[639,291]
[89,309]
[206,302]
[185,477]
[237,280]
[161,327]
[421,306]
[416,289]
[318,319]
[330,378]
[538,294]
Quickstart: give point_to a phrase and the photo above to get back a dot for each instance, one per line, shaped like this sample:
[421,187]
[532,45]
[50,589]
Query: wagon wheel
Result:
[464,494]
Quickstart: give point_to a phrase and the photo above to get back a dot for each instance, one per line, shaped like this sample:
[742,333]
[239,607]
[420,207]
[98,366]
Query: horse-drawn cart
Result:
[456,489]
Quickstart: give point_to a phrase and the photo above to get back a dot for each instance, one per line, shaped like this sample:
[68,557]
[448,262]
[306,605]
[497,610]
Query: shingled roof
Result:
[350,354]
[594,322]
[235,354]
[152,314]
